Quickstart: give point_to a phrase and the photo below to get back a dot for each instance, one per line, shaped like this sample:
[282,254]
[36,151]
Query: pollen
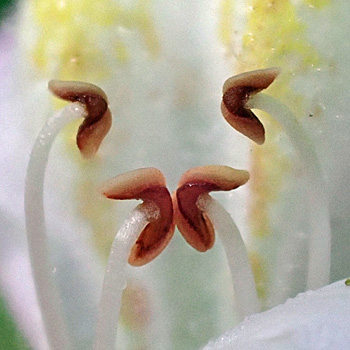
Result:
[78,39]
[318,4]
[225,22]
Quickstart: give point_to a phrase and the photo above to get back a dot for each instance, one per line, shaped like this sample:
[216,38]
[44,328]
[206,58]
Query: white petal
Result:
[313,320]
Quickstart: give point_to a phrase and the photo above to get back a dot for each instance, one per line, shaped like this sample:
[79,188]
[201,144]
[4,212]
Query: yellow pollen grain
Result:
[225,22]
[77,39]
[318,4]
[96,209]
[263,164]
[260,273]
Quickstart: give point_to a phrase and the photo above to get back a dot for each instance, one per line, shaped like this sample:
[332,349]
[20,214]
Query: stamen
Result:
[149,185]
[98,120]
[47,294]
[197,215]
[320,237]
[236,92]
[150,225]
[193,224]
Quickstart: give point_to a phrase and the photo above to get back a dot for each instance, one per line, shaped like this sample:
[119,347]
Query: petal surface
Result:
[313,320]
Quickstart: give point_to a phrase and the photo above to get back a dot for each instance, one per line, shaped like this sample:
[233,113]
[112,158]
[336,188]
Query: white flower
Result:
[162,65]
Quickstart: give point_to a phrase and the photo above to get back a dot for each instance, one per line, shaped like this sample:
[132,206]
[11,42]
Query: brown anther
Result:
[192,222]
[149,185]
[236,93]
[98,120]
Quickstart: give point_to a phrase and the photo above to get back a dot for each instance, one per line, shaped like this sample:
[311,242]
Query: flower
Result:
[162,66]
[313,320]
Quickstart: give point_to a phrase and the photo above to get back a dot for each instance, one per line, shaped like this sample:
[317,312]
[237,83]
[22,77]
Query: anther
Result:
[149,185]
[193,223]
[98,118]
[236,92]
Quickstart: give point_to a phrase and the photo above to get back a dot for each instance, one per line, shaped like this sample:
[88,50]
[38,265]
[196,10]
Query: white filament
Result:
[236,253]
[115,278]
[320,236]
[47,294]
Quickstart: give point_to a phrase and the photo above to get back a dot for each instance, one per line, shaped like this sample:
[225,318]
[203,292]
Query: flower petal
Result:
[313,320]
